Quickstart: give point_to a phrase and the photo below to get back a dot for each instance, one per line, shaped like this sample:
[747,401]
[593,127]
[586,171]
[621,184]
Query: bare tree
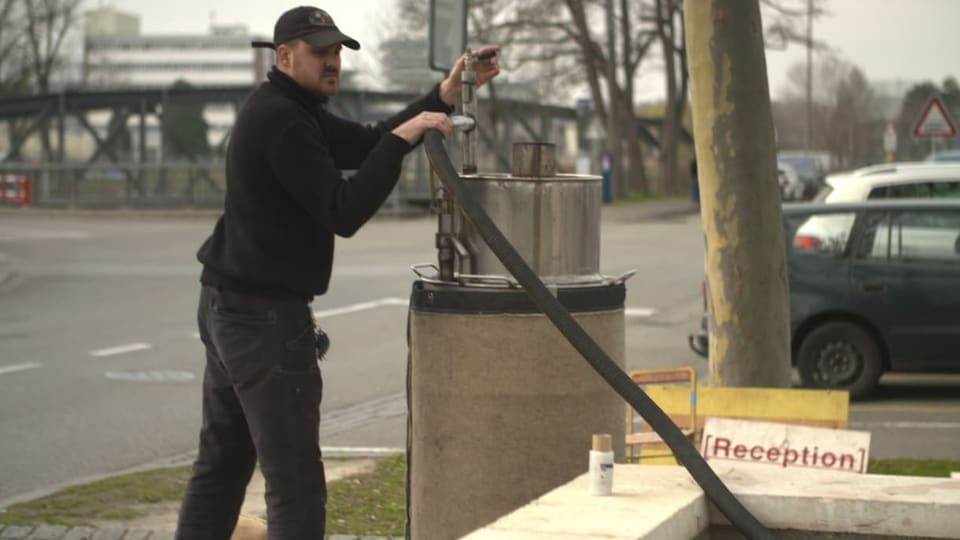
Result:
[47,24]
[568,44]
[668,21]
[845,116]
[13,73]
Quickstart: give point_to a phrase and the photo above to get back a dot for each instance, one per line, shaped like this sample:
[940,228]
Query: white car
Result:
[824,233]
[911,180]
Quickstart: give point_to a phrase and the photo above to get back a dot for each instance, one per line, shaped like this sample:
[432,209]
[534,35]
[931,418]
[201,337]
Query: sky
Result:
[890,40]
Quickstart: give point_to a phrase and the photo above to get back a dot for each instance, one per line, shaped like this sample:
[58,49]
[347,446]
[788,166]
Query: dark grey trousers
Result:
[261,400]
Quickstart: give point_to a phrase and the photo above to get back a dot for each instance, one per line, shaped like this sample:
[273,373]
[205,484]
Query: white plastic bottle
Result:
[601,465]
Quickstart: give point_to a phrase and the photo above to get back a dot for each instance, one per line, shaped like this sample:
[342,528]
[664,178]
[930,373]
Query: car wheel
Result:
[840,355]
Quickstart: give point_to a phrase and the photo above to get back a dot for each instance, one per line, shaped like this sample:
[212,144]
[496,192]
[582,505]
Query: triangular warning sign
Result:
[935,121]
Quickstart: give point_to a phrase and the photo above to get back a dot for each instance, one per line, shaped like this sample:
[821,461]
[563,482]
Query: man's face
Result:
[315,68]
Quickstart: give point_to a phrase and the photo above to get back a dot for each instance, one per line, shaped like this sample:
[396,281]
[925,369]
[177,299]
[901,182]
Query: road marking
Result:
[639,312]
[14,236]
[18,367]
[362,306]
[345,310]
[905,425]
[905,408]
[145,375]
[121,349]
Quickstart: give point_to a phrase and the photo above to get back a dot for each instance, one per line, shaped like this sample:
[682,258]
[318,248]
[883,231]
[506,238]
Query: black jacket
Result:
[286,197]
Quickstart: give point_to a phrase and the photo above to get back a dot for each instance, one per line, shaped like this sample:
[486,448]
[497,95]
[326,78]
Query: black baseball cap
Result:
[313,25]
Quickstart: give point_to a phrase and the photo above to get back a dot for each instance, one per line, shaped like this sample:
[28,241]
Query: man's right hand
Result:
[413,129]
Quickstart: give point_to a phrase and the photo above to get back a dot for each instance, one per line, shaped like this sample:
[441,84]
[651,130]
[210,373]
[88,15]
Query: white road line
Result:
[905,425]
[121,349]
[362,306]
[18,367]
[345,310]
[639,312]
[14,236]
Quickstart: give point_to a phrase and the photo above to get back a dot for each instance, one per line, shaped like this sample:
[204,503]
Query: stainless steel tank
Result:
[553,220]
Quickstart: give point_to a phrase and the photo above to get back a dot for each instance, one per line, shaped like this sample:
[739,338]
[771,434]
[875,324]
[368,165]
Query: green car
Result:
[874,287]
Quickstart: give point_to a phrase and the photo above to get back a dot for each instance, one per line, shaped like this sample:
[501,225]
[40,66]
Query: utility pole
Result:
[808,136]
[740,200]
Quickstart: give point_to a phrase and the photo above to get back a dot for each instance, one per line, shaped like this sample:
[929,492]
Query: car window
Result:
[912,236]
[918,190]
[945,190]
[921,189]
[821,234]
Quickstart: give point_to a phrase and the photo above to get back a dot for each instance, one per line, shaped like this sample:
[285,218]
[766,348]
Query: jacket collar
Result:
[292,89]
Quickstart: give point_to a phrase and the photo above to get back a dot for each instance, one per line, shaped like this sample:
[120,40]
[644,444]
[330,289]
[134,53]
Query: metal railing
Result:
[170,185]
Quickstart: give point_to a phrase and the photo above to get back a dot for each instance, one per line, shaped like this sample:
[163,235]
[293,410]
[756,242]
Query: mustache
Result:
[331,71]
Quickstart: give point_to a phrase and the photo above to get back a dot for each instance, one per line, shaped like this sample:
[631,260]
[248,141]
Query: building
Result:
[116,55]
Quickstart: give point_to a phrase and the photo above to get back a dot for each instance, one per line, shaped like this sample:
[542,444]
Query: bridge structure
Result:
[164,148]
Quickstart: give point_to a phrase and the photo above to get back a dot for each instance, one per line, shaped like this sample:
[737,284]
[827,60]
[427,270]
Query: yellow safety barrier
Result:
[819,408]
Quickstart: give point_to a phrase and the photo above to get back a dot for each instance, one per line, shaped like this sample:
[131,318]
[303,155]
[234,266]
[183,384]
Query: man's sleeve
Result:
[350,142]
[305,168]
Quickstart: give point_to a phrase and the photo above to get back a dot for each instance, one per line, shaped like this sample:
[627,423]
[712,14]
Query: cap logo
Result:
[320,17]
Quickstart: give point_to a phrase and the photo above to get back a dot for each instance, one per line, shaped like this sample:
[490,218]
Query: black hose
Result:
[685,452]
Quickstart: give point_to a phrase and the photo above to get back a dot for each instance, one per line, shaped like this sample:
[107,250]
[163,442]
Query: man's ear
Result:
[283,55]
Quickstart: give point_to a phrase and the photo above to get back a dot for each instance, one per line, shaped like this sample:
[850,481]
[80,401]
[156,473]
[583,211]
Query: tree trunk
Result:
[669,131]
[745,266]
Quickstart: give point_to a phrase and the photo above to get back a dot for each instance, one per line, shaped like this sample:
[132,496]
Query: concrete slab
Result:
[648,502]
[663,502]
[847,503]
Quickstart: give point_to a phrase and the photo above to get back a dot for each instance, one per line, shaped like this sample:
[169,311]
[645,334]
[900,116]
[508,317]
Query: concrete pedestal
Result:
[502,407]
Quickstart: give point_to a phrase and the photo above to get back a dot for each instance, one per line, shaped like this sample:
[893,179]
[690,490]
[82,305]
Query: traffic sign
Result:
[935,121]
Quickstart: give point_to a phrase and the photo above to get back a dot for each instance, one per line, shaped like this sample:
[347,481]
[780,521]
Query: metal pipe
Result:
[468,80]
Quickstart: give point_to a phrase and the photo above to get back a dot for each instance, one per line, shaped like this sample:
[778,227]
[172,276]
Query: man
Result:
[270,253]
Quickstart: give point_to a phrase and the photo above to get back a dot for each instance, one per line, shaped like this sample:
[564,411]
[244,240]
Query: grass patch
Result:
[116,498]
[913,467]
[372,504]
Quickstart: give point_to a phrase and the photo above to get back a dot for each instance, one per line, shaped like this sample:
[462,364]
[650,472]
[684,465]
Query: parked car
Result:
[880,294]
[887,181]
[944,156]
[892,181]
[810,167]
[791,188]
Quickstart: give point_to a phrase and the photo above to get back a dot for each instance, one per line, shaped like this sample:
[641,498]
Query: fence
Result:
[174,185]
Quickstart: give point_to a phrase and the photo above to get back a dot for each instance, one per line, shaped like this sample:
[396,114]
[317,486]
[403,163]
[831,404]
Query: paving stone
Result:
[108,534]
[80,533]
[13,531]
[136,534]
[162,535]
[48,532]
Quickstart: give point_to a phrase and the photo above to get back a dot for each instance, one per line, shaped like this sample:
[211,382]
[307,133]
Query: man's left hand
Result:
[486,69]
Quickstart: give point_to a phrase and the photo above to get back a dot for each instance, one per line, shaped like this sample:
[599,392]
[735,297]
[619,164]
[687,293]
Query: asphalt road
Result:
[100,364]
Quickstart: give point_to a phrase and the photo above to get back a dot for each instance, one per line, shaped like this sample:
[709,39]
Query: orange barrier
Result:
[15,189]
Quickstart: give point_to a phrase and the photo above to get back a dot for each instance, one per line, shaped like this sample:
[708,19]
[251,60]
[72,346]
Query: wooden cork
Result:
[602,442]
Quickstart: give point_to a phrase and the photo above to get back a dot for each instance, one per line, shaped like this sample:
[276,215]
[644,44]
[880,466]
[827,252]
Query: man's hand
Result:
[413,129]
[485,70]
